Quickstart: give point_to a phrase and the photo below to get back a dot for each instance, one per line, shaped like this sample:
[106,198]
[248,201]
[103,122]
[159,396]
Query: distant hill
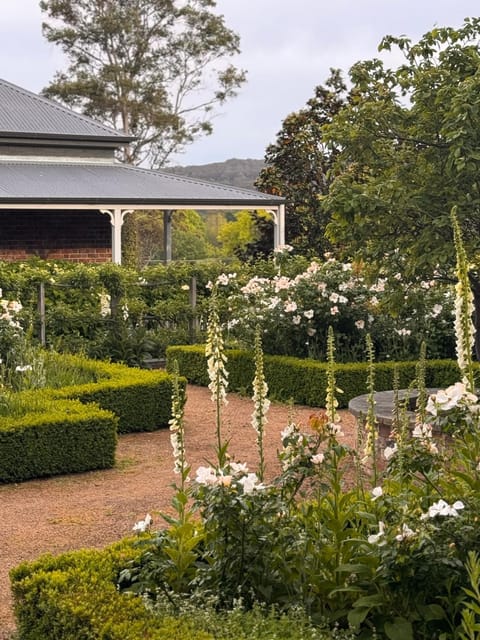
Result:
[235,172]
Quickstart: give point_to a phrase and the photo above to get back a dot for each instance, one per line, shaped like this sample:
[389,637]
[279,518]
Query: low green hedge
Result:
[74,428]
[140,398]
[304,381]
[74,597]
[55,436]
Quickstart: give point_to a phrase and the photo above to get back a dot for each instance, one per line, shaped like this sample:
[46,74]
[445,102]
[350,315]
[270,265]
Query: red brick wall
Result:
[79,236]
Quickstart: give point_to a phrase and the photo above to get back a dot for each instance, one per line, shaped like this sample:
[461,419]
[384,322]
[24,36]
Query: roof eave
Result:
[195,203]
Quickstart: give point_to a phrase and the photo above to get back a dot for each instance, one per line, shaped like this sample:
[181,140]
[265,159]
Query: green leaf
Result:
[432,612]
[400,629]
[375,600]
[357,616]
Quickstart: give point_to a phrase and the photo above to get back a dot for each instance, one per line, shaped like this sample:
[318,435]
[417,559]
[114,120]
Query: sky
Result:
[287,49]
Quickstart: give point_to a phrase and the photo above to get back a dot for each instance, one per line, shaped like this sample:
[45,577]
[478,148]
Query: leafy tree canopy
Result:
[248,237]
[298,163]
[152,68]
[410,151]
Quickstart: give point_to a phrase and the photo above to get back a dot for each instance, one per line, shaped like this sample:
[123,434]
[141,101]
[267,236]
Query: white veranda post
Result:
[117,217]
[278,226]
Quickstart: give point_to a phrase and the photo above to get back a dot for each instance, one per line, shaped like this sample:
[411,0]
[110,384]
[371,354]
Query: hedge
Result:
[74,428]
[304,381]
[74,597]
[140,398]
[55,436]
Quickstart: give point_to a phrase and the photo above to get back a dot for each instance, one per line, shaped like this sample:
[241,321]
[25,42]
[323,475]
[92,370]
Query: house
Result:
[63,195]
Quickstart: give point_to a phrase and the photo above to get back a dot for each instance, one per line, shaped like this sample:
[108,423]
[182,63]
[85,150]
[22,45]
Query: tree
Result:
[410,151]
[154,69]
[249,236]
[298,164]
[189,237]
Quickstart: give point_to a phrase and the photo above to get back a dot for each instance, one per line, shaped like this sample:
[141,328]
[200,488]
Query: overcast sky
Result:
[288,47]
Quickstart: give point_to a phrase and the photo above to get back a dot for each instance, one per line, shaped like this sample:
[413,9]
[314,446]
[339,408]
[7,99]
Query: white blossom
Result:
[405,533]
[250,483]
[143,525]
[206,476]
[375,537]
[377,492]
[238,468]
[442,508]
[22,368]
[449,398]
[388,452]
[318,458]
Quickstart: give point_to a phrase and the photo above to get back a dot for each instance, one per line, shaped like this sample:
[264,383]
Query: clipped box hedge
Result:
[140,398]
[55,436]
[74,597]
[304,381]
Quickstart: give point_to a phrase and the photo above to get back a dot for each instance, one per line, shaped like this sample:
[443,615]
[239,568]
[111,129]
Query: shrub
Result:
[74,597]
[304,381]
[55,436]
[139,397]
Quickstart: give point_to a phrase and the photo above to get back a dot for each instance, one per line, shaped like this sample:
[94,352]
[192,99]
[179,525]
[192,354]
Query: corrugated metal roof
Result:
[65,183]
[26,114]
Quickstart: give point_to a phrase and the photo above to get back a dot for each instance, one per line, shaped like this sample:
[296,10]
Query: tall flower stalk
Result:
[261,402]
[331,402]
[464,328]
[177,431]
[370,450]
[217,373]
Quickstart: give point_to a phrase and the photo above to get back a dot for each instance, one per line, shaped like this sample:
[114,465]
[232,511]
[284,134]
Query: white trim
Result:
[141,207]
[89,160]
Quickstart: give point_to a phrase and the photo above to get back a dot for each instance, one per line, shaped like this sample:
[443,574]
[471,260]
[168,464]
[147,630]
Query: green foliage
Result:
[298,165]
[407,154]
[305,381]
[471,611]
[108,311]
[248,237]
[42,437]
[48,431]
[138,66]
[297,304]
[74,597]
[140,398]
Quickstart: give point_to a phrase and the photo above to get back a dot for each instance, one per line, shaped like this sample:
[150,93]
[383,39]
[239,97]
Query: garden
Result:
[344,540]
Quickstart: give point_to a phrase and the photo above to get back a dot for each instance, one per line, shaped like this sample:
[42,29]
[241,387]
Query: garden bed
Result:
[98,508]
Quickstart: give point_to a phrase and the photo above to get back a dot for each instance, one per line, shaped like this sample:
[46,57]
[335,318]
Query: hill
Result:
[235,172]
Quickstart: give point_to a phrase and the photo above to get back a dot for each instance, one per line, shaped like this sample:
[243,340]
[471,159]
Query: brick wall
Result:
[79,236]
